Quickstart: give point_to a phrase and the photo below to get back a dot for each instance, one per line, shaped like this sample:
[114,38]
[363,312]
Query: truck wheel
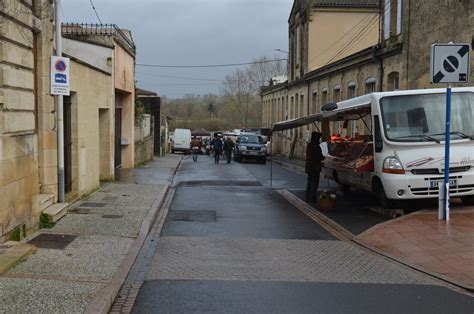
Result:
[382,199]
[264,160]
[468,200]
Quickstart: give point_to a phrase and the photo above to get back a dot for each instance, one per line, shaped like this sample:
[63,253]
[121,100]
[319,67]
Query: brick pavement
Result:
[214,258]
[422,241]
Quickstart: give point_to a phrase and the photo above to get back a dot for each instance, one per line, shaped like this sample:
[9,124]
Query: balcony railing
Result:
[85,29]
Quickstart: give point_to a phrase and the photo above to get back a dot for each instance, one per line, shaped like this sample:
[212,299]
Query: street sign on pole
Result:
[60,76]
[449,64]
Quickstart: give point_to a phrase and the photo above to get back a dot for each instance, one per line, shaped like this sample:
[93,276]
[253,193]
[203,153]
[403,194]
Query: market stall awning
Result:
[200,132]
[295,123]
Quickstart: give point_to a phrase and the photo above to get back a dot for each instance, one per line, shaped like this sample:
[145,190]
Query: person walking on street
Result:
[314,158]
[218,146]
[195,148]
[228,147]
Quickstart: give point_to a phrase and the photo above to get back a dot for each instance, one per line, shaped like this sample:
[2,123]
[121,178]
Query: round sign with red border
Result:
[60,65]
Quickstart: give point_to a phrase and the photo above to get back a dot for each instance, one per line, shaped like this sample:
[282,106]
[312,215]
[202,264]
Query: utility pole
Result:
[60,105]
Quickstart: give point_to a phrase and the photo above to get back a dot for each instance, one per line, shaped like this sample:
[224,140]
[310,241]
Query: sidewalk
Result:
[445,250]
[419,239]
[293,164]
[79,259]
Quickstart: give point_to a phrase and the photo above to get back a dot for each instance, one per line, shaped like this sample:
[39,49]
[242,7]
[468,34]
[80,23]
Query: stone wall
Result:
[144,150]
[25,49]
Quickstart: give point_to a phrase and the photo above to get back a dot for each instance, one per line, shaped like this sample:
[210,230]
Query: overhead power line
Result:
[182,84]
[192,78]
[95,11]
[179,77]
[209,65]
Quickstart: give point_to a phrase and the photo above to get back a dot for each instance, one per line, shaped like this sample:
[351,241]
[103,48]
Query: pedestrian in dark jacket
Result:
[218,146]
[228,147]
[314,158]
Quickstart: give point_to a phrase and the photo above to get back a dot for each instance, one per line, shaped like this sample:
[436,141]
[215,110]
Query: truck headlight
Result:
[243,147]
[263,149]
[392,165]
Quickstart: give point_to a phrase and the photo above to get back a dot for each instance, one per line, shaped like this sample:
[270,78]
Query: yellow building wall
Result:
[124,73]
[333,35]
[91,97]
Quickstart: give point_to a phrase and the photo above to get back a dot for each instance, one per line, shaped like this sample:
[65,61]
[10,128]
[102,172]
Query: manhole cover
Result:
[219,183]
[112,216]
[192,215]
[81,211]
[52,241]
[92,204]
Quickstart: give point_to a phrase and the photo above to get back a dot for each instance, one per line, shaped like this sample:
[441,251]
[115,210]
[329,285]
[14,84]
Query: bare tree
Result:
[238,91]
[262,71]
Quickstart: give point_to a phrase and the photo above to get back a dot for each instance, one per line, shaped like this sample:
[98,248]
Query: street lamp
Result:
[279,50]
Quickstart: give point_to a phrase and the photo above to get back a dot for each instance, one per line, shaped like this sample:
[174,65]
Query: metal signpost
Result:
[59,87]
[449,64]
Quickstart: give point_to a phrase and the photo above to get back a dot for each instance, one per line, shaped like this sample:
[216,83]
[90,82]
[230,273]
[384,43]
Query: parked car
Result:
[250,146]
[181,141]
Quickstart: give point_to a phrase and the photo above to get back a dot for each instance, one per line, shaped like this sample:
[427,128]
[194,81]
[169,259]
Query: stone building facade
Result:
[99,114]
[122,66]
[89,118]
[28,163]
[399,58]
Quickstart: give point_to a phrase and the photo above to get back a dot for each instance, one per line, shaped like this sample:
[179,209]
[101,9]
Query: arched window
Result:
[351,90]
[324,96]
[370,85]
[336,93]
[393,82]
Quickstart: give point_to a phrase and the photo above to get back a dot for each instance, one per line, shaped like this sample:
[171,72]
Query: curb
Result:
[289,165]
[330,225]
[128,293]
[344,235]
[105,298]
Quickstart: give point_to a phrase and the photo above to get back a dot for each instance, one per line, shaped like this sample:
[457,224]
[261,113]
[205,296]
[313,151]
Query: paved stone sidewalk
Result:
[105,226]
[421,240]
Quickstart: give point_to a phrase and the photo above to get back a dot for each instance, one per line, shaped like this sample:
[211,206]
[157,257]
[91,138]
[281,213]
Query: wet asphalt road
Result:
[231,244]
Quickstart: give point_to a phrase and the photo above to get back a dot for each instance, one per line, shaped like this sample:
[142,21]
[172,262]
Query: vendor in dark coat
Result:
[314,158]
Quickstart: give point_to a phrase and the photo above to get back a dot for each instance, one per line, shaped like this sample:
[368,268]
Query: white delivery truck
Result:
[400,155]
[181,141]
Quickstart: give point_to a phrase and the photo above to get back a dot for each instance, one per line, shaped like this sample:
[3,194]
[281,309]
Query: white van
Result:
[181,141]
[398,154]
[402,154]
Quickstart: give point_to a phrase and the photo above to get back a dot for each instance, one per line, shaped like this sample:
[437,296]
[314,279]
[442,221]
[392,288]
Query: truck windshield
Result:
[249,139]
[421,118]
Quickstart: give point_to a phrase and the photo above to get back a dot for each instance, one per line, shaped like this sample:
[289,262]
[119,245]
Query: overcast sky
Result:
[191,32]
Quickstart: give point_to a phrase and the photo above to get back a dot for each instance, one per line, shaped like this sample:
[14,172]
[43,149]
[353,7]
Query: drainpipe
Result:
[381,69]
[59,111]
